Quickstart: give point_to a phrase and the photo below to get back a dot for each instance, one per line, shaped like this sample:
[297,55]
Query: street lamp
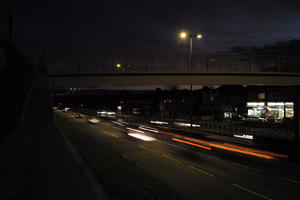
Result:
[119,66]
[183,35]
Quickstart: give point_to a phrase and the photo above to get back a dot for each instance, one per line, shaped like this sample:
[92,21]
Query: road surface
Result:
[197,168]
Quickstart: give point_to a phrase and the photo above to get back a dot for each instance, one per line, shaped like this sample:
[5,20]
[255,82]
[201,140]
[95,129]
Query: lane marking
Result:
[119,129]
[145,148]
[126,157]
[176,146]
[247,167]
[127,141]
[201,171]
[166,156]
[251,191]
[114,135]
[104,131]
[179,147]
[92,126]
[290,180]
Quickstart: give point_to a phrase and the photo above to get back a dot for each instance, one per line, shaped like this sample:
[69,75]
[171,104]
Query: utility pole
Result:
[190,52]
[191,108]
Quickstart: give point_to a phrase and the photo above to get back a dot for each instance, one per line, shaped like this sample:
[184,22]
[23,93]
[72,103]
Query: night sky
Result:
[130,26]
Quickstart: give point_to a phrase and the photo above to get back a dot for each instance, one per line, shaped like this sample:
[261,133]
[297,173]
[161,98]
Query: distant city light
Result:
[118,65]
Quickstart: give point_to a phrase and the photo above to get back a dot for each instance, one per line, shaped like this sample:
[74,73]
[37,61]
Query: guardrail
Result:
[229,129]
[171,63]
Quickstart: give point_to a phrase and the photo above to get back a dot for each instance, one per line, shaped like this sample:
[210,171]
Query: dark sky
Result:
[138,26]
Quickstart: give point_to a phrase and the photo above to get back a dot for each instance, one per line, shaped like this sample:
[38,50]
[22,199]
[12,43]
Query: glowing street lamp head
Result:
[199,36]
[118,65]
[183,35]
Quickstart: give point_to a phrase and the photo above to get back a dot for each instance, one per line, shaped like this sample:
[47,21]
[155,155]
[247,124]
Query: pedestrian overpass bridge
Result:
[93,80]
[171,69]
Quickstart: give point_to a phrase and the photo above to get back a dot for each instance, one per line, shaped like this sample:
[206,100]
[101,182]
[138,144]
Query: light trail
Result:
[219,146]
[142,137]
[135,130]
[190,143]
[258,150]
[146,128]
[231,149]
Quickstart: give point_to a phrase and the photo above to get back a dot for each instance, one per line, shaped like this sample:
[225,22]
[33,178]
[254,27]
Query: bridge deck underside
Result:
[95,80]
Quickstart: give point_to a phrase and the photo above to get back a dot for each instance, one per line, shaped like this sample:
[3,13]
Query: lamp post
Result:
[184,35]
[120,67]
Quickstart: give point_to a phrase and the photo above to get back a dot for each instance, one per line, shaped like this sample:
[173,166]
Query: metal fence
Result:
[171,63]
[230,129]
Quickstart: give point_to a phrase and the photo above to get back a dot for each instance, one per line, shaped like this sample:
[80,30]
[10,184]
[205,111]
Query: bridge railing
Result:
[171,63]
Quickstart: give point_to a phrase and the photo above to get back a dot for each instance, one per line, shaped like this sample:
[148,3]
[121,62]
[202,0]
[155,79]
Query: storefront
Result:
[271,111]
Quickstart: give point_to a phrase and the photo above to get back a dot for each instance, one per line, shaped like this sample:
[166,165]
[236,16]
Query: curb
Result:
[93,183]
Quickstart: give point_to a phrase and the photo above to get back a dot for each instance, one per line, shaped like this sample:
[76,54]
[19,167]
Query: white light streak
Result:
[142,137]
[148,129]
[186,124]
[158,122]
[135,130]
[250,137]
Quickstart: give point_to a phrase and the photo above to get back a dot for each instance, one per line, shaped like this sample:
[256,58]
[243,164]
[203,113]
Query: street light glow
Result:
[183,35]
[199,36]
[118,65]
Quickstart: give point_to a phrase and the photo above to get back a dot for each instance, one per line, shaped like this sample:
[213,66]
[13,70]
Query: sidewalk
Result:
[37,162]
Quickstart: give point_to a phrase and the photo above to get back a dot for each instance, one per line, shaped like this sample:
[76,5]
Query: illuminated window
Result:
[276,104]
[289,109]
[261,95]
[255,104]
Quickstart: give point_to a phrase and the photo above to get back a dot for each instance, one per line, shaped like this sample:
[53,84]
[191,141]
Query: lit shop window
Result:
[289,109]
[256,109]
[261,95]
[280,110]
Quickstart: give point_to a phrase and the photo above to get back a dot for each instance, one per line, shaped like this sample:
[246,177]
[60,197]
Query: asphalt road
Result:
[194,168]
